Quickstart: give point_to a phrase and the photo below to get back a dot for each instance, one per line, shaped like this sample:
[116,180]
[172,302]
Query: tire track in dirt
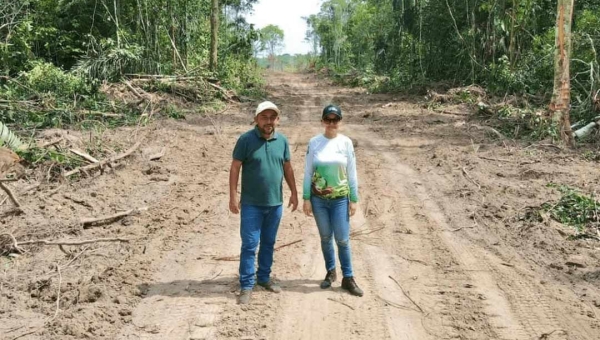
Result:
[443,286]
[513,308]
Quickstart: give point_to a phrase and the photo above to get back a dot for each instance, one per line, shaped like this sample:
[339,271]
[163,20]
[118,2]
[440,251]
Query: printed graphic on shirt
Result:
[330,181]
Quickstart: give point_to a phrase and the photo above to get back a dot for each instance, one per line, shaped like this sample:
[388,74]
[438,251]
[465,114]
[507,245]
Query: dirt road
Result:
[438,244]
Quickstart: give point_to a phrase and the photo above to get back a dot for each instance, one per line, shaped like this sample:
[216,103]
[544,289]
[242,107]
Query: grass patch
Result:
[575,209]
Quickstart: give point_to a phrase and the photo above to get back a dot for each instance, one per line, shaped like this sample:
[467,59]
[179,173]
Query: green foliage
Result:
[15,50]
[108,61]
[8,138]
[271,39]
[527,123]
[105,40]
[45,78]
[55,54]
[242,76]
[592,156]
[574,208]
[56,160]
[505,46]
[45,96]
[173,112]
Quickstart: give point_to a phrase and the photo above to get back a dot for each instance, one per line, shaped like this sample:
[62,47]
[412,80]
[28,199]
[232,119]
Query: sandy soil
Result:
[444,243]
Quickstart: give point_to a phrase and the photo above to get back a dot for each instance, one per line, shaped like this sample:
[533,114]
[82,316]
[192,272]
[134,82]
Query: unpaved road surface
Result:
[442,244]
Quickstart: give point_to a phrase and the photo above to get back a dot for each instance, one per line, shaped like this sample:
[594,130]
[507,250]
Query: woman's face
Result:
[331,122]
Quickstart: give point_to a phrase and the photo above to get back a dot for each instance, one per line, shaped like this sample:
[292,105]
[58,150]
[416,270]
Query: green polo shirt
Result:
[262,167]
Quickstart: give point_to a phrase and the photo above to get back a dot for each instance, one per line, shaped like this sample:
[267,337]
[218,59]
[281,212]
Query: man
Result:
[264,157]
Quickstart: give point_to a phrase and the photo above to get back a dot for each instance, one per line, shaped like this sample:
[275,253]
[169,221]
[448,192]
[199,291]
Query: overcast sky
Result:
[287,14]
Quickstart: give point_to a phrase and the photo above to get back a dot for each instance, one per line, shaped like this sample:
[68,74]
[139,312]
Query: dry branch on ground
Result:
[101,164]
[88,222]
[16,246]
[237,258]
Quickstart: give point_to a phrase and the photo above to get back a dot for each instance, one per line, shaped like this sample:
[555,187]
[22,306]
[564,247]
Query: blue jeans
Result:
[333,220]
[258,225]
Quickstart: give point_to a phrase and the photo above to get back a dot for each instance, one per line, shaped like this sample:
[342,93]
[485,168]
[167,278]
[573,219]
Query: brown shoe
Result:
[245,295]
[350,285]
[329,279]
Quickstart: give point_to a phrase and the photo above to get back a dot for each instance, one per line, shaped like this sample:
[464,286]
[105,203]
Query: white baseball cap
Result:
[267,105]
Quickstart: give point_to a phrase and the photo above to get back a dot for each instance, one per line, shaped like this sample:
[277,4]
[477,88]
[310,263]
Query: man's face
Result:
[266,121]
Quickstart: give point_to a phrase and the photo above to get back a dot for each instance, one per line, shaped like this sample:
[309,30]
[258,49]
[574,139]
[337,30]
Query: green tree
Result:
[271,39]
[214,34]
[561,99]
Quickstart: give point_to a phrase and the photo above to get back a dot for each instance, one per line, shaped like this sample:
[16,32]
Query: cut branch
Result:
[407,296]
[10,194]
[84,155]
[364,232]
[471,179]
[104,162]
[133,90]
[101,220]
[340,302]
[15,244]
[236,258]
[73,242]
[45,145]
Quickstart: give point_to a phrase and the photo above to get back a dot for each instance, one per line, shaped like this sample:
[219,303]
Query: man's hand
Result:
[293,202]
[307,208]
[234,175]
[353,207]
[234,206]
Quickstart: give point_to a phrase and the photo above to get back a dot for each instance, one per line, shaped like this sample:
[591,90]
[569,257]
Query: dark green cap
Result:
[329,109]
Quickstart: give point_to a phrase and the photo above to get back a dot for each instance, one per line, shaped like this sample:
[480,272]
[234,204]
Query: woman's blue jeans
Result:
[333,220]
[258,225]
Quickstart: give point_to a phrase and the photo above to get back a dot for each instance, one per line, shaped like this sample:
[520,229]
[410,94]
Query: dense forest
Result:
[58,53]
[505,46]
[55,55]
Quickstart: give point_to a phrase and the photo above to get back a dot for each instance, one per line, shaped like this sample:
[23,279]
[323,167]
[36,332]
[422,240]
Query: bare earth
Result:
[444,244]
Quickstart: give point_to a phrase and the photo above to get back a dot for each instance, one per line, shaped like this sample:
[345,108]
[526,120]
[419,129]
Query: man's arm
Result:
[288,173]
[234,175]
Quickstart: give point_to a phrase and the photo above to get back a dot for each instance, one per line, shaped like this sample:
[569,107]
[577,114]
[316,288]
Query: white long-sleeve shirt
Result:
[330,168]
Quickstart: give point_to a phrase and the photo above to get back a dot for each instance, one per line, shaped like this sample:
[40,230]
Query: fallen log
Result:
[587,130]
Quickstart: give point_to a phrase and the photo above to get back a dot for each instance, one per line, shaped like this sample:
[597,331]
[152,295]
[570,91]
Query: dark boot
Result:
[350,285]
[329,279]
[270,286]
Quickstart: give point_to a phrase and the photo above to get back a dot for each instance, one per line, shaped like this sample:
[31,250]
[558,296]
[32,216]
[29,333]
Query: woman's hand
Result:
[353,207]
[307,208]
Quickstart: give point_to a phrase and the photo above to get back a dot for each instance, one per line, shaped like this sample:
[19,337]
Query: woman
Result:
[330,193]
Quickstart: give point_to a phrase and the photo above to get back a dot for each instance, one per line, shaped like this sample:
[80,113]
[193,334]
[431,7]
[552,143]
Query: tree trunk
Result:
[214,36]
[561,98]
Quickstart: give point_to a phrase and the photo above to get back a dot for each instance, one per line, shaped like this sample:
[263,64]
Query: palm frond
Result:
[8,138]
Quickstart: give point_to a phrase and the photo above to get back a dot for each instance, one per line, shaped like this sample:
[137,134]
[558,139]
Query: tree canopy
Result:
[271,39]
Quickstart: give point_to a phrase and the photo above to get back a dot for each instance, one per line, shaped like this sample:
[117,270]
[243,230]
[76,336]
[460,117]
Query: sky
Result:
[287,14]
